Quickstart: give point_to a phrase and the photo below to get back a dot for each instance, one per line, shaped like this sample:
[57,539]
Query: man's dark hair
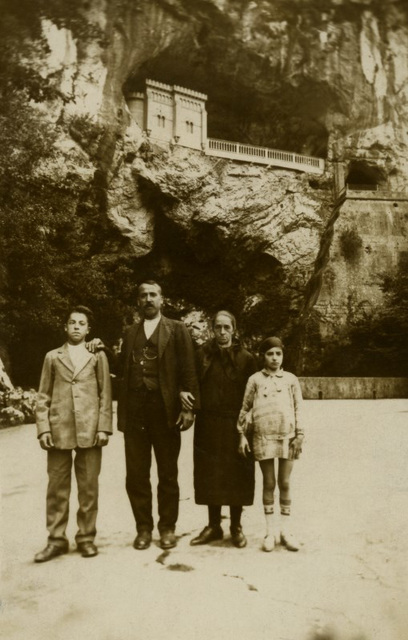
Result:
[80,308]
[152,283]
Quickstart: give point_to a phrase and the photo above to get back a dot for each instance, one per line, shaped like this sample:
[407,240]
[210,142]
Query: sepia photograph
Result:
[204,319]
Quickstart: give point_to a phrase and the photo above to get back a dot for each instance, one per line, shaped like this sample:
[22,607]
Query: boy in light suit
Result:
[74,413]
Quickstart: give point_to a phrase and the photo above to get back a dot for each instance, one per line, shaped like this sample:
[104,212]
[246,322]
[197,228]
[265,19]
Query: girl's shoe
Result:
[268,543]
[290,541]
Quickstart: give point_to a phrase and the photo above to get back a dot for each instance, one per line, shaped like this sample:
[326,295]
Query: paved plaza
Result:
[348,581]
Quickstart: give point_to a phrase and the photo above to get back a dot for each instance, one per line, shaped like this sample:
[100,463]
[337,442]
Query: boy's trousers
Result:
[87,464]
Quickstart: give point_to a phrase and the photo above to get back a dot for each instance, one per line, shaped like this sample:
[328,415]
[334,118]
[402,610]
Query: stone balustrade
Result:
[263,155]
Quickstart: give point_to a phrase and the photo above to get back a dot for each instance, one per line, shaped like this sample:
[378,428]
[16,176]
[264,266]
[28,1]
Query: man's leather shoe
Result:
[142,540]
[51,551]
[238,538]
[168,539]
[208,534]
[87,549]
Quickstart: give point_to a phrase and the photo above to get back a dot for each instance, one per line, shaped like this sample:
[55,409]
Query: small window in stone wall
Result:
[189,126]
[161,121]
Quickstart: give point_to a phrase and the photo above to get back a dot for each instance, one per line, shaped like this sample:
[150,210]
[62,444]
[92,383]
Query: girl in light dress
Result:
[270,417]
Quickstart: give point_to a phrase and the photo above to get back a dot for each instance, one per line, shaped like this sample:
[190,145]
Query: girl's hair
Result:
[268,343]
[224,313]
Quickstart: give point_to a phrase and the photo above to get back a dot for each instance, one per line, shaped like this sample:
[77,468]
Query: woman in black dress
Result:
[221,475]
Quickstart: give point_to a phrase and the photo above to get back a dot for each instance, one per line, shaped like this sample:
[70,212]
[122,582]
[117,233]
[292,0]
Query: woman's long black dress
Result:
[221,475]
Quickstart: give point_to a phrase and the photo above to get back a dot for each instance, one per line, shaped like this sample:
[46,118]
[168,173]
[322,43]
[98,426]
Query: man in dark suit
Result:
[156,373]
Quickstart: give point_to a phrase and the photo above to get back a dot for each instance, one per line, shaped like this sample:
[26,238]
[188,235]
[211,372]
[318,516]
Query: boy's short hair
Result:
[80,308]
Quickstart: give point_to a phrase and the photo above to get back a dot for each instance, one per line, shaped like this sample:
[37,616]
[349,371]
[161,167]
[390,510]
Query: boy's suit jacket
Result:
[177,370]
[74,405]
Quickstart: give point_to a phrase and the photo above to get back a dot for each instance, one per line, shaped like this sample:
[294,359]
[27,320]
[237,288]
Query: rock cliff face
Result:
[325,78]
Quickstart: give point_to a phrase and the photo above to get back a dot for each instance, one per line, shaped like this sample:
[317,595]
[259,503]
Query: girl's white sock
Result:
[285,525]
[271,521]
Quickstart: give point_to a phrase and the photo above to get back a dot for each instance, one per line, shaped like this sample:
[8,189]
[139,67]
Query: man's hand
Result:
[101,439]
[187,400]
[295,447]
[243,447]
[185,420]
[46,441]
[95,345]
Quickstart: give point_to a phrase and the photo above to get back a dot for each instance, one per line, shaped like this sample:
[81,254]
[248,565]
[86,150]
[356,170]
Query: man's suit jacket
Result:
[74,405]
[176,368]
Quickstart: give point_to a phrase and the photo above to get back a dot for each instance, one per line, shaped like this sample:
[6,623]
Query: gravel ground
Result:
[348,581]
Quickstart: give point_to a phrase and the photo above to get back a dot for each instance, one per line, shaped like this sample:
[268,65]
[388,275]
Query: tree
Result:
[56,246]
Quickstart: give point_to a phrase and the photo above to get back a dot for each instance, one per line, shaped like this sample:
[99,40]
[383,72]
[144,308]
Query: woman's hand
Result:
[243,447]
[185,420]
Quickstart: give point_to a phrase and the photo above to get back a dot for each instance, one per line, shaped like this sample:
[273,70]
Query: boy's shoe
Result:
[51,551]
[268,543]
[208,534]
[87,549]
[290,541]
[238,538]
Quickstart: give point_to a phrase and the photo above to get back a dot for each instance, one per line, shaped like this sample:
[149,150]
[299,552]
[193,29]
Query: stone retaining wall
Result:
[368,388]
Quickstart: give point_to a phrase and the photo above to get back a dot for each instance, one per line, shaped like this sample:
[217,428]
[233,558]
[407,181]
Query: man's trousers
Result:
[87,464]
[148,429]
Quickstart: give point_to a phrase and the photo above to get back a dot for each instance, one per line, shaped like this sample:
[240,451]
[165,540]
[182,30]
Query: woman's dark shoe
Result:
[51,551]
[238,538]
[208,534]
[142,540]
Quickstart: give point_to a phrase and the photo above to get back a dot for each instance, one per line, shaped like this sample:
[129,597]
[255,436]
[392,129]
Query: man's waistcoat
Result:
[144,368]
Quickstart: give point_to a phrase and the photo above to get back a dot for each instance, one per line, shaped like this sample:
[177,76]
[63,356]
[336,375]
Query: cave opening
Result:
[192,264]
[197,277]
[199,268]
[249,100]
[364,177]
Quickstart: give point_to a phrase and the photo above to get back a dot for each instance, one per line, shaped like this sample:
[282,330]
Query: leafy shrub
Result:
[350,244]
[17,407]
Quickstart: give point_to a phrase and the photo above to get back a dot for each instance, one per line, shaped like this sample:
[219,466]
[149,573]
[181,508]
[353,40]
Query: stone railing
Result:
[263,155]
